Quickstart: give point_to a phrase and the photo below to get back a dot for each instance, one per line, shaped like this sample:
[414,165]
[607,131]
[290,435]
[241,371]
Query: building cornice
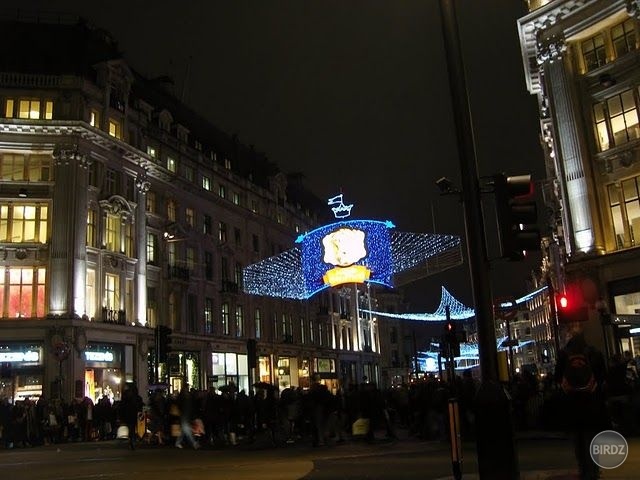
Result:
[537,48]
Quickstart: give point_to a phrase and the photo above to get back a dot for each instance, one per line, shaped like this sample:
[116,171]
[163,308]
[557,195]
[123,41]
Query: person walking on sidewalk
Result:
[580,372]
[130,405]
[185,404]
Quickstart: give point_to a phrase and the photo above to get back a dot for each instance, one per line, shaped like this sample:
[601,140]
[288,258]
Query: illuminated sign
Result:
[342,210]
[352,251]
[98,356]
[28,356]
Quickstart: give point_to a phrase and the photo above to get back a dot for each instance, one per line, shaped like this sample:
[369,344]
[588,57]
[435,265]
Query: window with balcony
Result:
[623,37]
[18,167]
[112,292]
[113,232]
[23,222]
[22,292]
[594,52]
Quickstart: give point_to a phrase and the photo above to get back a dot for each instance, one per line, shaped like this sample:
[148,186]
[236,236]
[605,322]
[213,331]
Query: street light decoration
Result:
[348,251]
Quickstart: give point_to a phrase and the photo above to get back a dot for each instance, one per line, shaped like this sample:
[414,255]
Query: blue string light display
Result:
[457,311]
[298,273]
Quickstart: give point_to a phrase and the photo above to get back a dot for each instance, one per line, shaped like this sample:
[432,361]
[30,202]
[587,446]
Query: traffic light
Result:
[517,215]
[570,306]
[164,342]
[452,338]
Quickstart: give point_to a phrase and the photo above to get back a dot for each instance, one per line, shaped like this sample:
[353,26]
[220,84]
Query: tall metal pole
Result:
[497,457]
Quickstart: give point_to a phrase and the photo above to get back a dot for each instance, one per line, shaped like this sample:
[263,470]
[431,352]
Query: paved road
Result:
[405,459]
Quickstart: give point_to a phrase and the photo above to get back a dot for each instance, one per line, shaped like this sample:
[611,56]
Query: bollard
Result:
[456,440]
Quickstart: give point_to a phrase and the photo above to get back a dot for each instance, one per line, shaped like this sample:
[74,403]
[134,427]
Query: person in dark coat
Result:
[584,408]
[130,405]
[187,409]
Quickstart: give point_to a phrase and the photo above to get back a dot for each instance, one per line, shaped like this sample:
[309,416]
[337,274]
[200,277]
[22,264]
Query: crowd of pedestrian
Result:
[227,416]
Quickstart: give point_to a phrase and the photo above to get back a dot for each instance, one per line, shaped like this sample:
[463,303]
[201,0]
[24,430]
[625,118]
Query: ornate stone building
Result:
[122,210]
[581,61]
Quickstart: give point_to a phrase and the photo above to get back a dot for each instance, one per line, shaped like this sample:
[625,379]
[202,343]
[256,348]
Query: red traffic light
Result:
[563,301]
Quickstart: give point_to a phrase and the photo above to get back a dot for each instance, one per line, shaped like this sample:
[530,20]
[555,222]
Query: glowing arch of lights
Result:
[295,273]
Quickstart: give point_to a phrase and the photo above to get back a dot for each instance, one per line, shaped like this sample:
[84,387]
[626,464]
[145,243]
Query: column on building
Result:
[142,187]
[67,276]
[578,221]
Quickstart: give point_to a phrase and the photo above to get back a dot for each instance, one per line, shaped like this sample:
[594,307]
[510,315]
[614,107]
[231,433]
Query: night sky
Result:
[353,94]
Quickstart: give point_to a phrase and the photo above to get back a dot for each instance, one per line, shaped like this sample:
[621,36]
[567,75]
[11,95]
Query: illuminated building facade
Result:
[580,60]
[122,210]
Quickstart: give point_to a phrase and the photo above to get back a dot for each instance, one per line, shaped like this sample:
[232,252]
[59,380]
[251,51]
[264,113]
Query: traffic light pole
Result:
[497,456]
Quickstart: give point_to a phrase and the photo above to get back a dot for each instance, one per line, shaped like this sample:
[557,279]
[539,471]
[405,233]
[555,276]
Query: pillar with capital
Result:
[580,235]
[142,187]
[67,276]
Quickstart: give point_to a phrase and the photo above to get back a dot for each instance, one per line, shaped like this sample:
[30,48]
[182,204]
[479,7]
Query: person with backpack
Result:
[580,373]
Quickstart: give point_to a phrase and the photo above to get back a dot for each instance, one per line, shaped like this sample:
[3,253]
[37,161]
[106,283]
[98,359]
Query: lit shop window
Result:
[23,288]
[23,222]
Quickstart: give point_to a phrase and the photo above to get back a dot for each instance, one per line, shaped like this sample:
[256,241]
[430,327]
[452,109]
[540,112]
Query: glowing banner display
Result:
[352,251]
[98,356]
[28,356]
